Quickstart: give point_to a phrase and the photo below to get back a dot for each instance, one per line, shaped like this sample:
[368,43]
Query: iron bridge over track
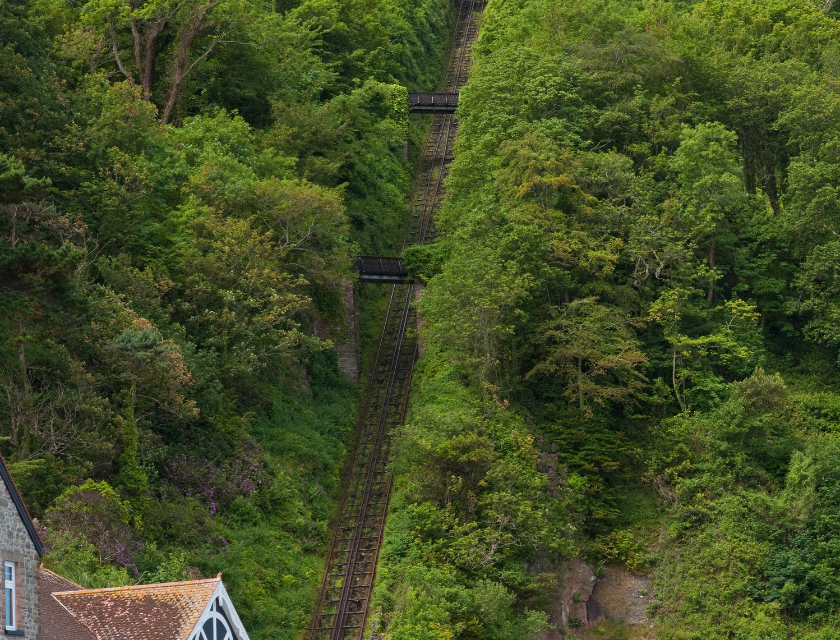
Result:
[433,102]
[381,270]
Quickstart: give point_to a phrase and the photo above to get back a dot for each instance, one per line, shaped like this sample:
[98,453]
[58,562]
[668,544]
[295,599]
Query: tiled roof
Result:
[24,514]
[167,611]
[56,622]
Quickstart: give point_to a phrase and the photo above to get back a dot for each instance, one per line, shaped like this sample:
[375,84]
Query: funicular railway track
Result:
[343,603]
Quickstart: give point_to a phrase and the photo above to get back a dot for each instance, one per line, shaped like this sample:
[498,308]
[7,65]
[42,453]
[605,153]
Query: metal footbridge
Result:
[433,102]
[344,599]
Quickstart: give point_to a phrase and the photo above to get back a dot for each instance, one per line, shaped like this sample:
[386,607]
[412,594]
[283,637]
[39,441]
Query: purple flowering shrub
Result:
[40,529]
[216,483]
[193,573]
[311,542]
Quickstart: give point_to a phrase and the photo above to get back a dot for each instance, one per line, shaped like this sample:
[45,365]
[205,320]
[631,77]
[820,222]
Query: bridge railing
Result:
[432,102]
[381,270]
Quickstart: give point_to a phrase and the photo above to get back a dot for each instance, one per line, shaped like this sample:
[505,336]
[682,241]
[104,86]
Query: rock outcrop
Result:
[579,582]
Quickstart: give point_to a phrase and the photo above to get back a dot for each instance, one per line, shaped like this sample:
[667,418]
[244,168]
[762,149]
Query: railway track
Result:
[344,599]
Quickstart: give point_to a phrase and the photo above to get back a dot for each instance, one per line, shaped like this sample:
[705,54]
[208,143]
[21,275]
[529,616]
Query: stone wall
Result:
[16,546]
[345,338]
[348,351]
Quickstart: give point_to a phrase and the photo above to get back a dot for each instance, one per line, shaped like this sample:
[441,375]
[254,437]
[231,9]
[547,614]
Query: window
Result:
[216,625]
[11,596]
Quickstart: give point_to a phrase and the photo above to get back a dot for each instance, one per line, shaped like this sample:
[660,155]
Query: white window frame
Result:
[7,585]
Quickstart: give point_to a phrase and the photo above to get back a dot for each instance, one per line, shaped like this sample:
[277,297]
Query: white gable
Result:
[219,620]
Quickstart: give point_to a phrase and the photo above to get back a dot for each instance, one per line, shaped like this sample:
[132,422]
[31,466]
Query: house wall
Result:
[16,546]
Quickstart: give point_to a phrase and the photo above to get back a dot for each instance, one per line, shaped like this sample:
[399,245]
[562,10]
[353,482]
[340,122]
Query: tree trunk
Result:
[674,376]
[116,51]
[21,346]
[769,185]
[191,30]
[144,51]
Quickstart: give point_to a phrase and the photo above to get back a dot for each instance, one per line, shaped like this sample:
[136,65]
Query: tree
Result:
[698,335]
[94,512]
[192,24]
[238,299]
[472,308]
[45,418]
[819,283]
[710,191]
[308,226]
[35,273]
[593,348]
[38,265]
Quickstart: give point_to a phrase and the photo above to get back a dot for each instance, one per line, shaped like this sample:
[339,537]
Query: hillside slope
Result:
[183,186]
[631,342]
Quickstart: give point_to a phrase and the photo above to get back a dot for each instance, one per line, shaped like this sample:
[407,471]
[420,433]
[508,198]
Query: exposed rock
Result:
[579,582]
[620,595]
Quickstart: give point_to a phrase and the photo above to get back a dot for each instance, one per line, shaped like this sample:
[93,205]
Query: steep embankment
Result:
[631,336]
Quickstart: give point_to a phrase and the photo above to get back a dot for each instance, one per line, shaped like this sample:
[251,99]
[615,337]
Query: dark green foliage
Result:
[631,320]
[174,242]
[424,261]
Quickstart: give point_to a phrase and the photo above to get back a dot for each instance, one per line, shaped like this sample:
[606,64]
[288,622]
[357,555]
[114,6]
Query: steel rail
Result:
[463,24]
[341,614]
[345,573]
[425,178]
[348,473]
[439,187]
[344,598]
[465,46]
[453,67]
[434,179]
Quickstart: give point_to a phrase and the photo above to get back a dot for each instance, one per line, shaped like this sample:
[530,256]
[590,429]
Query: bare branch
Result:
[116,51]
[201,57]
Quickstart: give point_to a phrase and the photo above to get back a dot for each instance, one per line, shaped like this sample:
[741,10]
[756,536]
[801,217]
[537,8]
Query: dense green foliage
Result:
[631,325]
[182,187]
[632,321]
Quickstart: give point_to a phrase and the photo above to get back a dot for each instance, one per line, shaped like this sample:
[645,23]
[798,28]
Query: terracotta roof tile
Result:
[167,611]
[56,622]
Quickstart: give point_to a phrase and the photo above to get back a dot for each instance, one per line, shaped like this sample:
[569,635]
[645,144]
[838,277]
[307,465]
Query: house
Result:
[190,610]
[39,604]
[20,556]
